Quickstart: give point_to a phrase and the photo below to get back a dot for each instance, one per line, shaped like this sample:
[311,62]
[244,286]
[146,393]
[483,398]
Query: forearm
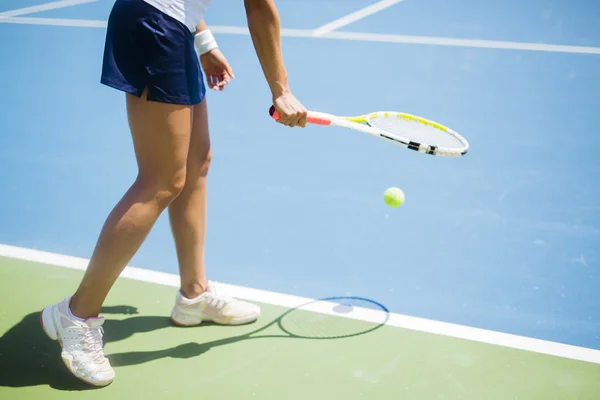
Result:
[263,23]
[200,27]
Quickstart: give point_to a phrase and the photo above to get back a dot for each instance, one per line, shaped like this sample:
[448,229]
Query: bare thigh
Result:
[161,138]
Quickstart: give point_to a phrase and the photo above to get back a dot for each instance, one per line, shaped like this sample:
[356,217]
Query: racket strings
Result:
[416,131]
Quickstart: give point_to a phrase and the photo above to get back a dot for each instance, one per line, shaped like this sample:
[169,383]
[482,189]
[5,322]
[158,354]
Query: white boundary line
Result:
[358,36]
[355,16]
[76,23]
[44,7]
[289,301]
[441,41]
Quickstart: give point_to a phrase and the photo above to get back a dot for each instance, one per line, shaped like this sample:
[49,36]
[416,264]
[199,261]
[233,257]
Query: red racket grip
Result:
[312,117]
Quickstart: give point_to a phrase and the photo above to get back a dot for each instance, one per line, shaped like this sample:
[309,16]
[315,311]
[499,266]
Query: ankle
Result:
[193,290]
[78,309]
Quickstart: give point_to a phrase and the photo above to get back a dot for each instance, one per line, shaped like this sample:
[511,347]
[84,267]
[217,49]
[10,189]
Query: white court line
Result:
[441,41]
[44,7]
[358,36]
[362,314]
[355,16]
[78,23]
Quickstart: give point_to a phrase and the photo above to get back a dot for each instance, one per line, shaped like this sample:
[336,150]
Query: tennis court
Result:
[486,277]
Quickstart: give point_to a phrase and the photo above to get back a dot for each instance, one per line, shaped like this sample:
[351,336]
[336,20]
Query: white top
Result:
[188,12]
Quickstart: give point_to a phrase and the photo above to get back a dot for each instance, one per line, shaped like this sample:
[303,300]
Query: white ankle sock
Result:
[74,317]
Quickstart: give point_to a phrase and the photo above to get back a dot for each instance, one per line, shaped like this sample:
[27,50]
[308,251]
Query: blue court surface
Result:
[506,238]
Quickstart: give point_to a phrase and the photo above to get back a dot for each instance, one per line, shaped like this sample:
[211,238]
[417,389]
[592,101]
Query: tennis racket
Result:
[409,131]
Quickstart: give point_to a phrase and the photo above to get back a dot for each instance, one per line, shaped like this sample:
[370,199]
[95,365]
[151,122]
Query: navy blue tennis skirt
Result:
[145,48]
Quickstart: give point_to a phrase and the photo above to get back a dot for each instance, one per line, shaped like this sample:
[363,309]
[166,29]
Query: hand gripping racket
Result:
[409,131]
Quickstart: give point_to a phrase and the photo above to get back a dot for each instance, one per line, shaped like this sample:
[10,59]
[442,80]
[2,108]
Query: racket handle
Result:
[311,117]
[274,113]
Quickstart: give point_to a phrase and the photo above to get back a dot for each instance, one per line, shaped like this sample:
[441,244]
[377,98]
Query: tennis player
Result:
[155,52]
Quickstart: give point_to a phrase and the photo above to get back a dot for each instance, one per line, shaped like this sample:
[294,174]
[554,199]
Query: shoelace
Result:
[93,339]
[215,299]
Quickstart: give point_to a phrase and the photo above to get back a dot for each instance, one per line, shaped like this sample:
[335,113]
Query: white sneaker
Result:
[211,306]
[81,343]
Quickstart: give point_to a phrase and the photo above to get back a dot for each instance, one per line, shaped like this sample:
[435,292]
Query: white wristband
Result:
[204,41]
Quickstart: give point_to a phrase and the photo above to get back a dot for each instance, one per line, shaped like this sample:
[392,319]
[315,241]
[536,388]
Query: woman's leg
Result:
[187,213]
[197,299]
[161,136]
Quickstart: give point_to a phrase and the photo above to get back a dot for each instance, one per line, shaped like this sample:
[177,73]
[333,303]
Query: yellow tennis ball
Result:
[393,197]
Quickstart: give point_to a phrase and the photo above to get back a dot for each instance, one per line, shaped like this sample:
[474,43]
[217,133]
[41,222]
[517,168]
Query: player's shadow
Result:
[29,358]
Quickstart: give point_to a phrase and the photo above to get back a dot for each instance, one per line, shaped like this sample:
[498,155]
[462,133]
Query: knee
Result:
[171,188]
[204,164]
[200,165]
[164,189]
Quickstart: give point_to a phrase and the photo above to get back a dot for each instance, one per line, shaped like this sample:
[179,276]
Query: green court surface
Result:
[155,360]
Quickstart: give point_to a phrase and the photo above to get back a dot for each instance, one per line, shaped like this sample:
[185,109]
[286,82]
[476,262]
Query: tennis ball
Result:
[393,197]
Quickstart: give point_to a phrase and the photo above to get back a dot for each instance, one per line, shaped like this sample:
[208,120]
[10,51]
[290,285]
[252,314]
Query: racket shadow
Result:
[333,318]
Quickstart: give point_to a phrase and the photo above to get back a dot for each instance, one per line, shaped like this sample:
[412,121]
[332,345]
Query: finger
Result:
[303,117]
[302,120]
[284,120]
[222,83]
[293,120]
[229,70]
[282,117]
[211,81]
[297,119]
[297,115]
[215,82]
[224,80]
[289,120]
